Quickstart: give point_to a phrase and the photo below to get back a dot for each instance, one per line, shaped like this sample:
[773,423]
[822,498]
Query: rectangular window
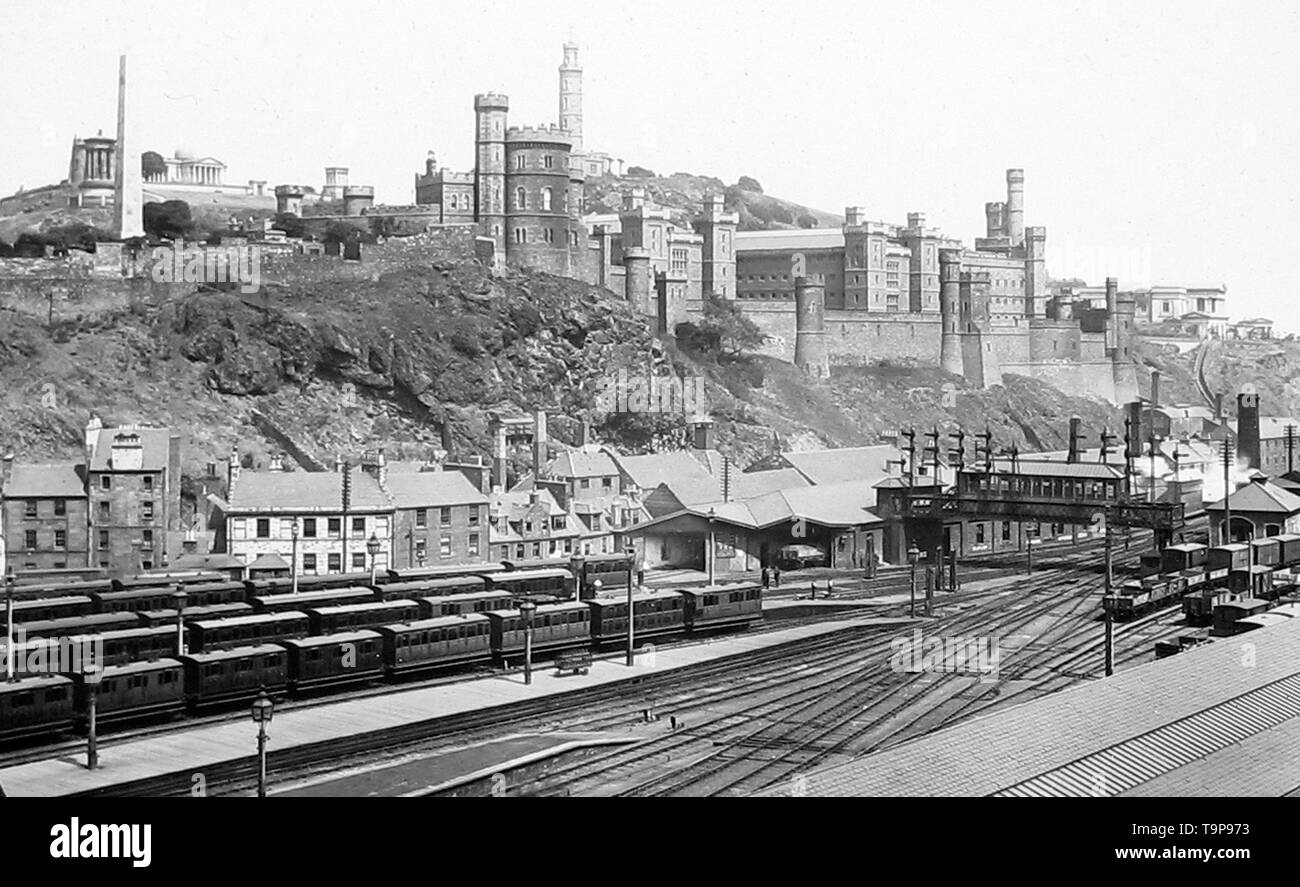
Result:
[358,525]
[146,511]
[473,516]
[444,546]
[29,540]
[421,518]
[263,528]
[444,517]
[979,533]
[148,483]
[309,563]
[421,549]
[607,482]
[60,539]
[103,538]
[335,563]
[585,483]
[146,539]
[29,508]
[105,482]
[335,527]
[309,527]
[473,544]
[1006,531]
[359,560]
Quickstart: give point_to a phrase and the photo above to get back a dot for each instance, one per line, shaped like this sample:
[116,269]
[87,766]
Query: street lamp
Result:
[631,640]
[92,673]
[712,552]
[372,548]
[913,557]
[178,600]
[293,568]
[10,674]
[527,608]
[1030,539]
[263,711]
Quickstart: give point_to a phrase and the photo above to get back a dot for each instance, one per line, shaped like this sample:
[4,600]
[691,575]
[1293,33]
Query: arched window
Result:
[521,198]
[546,199]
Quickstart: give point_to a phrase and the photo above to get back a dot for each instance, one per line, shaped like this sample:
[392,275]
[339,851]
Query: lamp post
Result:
[10,674]
[913,558]
[372,548]
[631,639]
[293,568]
[713,544]
[1029,548]
[263,711]
[1110,642]
[178,600]
[527,608]
[92,674]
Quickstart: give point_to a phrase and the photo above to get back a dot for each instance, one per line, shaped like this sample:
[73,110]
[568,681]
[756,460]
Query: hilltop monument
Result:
[128,213]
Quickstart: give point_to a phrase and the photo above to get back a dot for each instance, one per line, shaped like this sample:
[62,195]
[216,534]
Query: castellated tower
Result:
[490,111]
[718,254]
[571,96]
[1035,272]
[950,355]
[993,214]
[638,279]
[1015,209]
[810,351]
[288,199]
[538,187]
[980,365]
[1122,367]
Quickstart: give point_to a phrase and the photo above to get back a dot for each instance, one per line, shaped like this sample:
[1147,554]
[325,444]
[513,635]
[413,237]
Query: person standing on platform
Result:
[767,578]
[776,575]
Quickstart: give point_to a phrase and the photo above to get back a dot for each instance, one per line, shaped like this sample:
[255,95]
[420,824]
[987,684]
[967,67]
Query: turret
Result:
[717,254]
[638,279]
[490,113]
[993,214]
[357,199]
[950,310]
[1035,271]
[1015,211]
[810,347]
[571,95]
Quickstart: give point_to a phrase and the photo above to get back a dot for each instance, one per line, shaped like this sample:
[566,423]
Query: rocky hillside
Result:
[683,193]
[421,355]
[1272,367]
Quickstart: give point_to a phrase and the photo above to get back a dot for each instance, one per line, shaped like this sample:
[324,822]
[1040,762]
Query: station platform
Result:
[191,750]
[426,775]
[1221,719]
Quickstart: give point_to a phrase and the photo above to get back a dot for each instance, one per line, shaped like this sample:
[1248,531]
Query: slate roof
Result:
[1262,498]
[431,489]
[55,480]
[289,491]
[156,443]
[679,471]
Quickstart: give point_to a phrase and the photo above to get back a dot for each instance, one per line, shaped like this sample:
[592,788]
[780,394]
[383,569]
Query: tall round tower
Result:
[1015,209]
[571,95]
[538,183]
[950,310]
[490,111]
[810,351]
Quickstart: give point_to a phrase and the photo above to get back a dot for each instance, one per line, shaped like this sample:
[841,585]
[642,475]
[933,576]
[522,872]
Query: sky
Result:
[1159,140]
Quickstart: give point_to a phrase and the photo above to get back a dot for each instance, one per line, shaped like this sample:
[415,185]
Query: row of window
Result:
[32,508]
[31,540]
[146,482]
[311,527]
[545,200]
[445,514]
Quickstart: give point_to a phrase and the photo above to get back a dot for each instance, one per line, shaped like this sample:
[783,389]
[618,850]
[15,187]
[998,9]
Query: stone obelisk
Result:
[126,175]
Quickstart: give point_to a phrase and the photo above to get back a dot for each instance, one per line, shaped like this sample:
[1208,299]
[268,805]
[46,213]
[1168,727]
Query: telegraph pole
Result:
[1226,535]
[1105,605]
[1290,448]
[910,449]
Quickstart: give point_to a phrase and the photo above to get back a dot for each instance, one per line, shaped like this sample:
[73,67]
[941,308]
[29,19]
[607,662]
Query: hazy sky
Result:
[1159,141]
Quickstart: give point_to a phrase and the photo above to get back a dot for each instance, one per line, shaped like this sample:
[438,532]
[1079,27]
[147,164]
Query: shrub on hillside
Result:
[170,219]
[640,172]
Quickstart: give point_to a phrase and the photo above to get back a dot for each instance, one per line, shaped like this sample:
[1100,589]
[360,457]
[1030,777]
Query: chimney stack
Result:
[232,470]
[1248,429]
[1155,389]
[277,462]
[1075,436]
[701,434]
[539,443]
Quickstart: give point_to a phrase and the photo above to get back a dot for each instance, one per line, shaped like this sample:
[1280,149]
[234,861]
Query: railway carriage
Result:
[306,584]
[243,631]
[611,570]
[334,659]
[151,618]
[333,597]
[1255,582]
[134,690]
[540,586]
[1184,556]
[1265,552]
[1223,559]
[555,627]
[426,574]
[30,591]
[656,613]
[239,674]
[36,705]
[355,617]
[718,607]
[1288,549]
[168,580]
[75,625]
[461,604]
[139,644]
[435,643]
[45,609]
[456,585]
